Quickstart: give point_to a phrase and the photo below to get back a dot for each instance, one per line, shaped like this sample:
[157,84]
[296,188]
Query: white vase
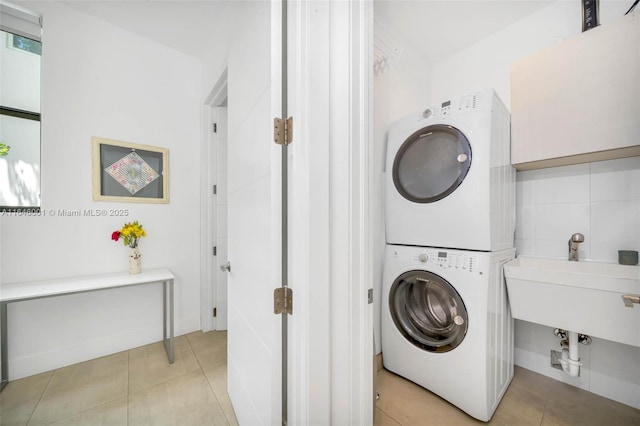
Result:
[135,261]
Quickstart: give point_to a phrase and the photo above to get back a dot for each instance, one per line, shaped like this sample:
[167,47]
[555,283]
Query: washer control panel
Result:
[446,260]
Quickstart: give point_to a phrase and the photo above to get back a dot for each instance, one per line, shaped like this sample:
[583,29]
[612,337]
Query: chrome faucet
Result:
[575,239]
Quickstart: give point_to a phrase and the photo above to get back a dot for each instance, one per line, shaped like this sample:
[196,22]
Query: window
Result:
[20,57]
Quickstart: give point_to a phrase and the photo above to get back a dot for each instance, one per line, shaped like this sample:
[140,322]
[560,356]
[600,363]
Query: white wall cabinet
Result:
[578,101]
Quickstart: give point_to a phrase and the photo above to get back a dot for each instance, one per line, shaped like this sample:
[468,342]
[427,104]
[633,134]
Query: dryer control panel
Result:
[480,100]
[447,260]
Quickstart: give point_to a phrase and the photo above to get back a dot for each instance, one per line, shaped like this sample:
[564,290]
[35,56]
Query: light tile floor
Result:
[531,399]
[135,387]
[139,387]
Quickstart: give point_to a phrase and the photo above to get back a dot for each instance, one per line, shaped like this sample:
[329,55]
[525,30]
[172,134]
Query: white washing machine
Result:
[448,176]
[446,324]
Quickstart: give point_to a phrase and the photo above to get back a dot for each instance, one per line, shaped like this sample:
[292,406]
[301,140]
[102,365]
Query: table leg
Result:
[167,305]
[171,356]
[4,350]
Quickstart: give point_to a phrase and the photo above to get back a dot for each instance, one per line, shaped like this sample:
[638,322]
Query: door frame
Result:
[208,216]
[330,355]
[330,239]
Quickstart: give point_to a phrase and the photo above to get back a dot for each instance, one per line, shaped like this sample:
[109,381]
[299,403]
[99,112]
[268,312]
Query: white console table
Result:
[18,292]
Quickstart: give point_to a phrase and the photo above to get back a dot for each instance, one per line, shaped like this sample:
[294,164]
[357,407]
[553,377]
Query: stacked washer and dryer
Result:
[450,223]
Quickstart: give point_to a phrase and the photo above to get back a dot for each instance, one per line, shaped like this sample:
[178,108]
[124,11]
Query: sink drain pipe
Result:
[569,359]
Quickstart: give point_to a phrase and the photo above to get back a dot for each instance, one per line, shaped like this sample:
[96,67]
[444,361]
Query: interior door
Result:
[221,217]
[254,216]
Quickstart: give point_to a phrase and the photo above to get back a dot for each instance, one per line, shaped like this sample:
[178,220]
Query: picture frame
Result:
[129,172]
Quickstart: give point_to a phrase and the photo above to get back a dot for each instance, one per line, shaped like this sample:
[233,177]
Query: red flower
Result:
[115,236]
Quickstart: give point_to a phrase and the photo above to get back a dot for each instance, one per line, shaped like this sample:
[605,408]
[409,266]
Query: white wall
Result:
[600,200]
[99,80]
[399,91]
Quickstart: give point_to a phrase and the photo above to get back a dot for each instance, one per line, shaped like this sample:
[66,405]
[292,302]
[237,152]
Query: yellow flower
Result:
[130,233]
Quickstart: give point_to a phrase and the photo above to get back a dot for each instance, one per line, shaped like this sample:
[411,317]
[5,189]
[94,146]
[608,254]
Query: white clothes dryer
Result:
[446,324]
[448,176]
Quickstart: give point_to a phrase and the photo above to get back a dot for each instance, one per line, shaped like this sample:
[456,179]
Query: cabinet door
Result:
[579,100]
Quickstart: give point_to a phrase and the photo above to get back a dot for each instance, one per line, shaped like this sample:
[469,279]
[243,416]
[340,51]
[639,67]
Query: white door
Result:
[253,216]
[220,217]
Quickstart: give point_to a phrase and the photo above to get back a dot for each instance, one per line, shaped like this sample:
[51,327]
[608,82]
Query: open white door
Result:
[220,218]
[254,214]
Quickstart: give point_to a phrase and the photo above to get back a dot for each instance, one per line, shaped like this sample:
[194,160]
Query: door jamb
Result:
[331,258]
[208,280]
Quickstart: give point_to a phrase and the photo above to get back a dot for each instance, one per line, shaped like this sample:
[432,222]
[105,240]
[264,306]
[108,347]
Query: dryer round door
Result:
[428,311]
[431,163]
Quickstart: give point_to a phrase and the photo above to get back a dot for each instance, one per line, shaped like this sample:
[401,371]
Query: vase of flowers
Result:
[130,235]
[135,261]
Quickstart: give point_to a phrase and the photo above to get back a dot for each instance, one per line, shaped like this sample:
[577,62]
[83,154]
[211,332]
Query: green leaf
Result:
[4,149]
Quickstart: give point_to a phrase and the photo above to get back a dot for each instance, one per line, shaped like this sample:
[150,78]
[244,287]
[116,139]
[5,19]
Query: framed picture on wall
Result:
[129,172]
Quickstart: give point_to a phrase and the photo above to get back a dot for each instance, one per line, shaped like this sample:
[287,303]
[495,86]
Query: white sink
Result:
[586,297]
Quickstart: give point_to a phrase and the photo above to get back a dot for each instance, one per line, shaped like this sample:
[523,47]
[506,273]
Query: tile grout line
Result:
[396,421]
[215,395]
[193,351]
[78,413]
[99,405]
[547,399]
[208,382]
[35,407]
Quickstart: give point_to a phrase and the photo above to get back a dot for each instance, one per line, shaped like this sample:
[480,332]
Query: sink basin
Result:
[586,297]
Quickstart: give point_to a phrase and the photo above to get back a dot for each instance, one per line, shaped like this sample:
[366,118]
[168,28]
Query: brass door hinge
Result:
[283,301]
[283,131]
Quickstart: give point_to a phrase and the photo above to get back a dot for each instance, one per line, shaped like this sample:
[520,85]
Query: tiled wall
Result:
[602,201]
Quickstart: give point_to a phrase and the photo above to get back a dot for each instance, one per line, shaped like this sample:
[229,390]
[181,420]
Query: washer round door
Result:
[431,163]
[428,311]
